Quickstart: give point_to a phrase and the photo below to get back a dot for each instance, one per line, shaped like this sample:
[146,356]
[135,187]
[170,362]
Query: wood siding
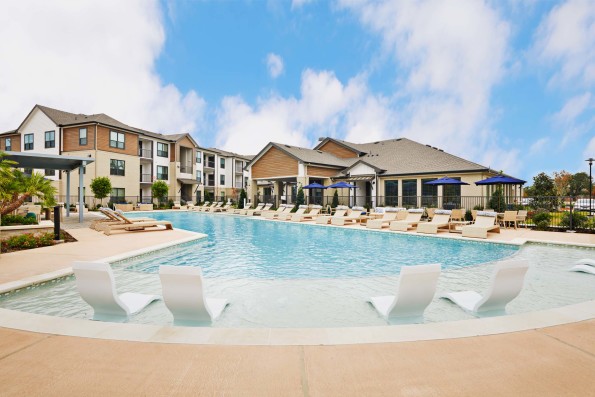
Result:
[274,163]
[172,152]
[15,142]
[337,150]
[70,139]
[320,171]
[130,141]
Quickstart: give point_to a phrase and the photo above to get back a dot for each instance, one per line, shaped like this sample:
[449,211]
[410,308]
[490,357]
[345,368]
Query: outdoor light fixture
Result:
[590,161]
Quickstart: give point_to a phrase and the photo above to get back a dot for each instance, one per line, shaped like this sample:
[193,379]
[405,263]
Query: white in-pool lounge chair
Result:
[413,218]
[440,220]
[352,218]
[507,283]
[415,291]
[389,215]
[584,265]
[341,210]
[484,222]
[183,294]
[287,216]
[96,285]
[310,216]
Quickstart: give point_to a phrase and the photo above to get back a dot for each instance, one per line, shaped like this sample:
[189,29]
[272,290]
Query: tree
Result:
[300,199]
[544,191]
[335,203]
[16,187]
[159,190]
[101,187]
[562,182]
[579,184]
[242,199]
[497,202]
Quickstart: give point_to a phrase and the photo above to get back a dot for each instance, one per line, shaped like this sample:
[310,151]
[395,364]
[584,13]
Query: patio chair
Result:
[145,207]
[440,220]
[584,265]
[508,218]
[287,217]
[112,217]
[389,215]
[352,218]
[214,207]
[206,208]
[283,209]
[413,218]
[458,214]
[521,217]
[484,223]
[130,225]
[184,296]
[341,210]
[310,216]
[96,285]
[260,209]
[225,208]
[415,292]
[177,206]
[430,212]
[200,207]
[241,211]
[507,283]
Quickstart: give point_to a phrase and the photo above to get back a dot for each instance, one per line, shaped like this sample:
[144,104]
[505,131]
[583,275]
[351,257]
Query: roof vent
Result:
[288,146]
[376,143]
[428,145]
[319,151]
[322,138]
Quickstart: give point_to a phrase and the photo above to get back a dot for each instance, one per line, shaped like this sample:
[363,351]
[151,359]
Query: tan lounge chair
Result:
[522,217]
[485,222]
[250,211]
[145,207]
[440,220]
[206,208]
[200,207]
[458,214]
[390,214]
[287,217]
[412,219]
[258,212]
[176,206]
[310,216]
[283,209]
[354,217]
[430,212]
[215,207]
[112,217]
[325,219]
[129,225]
[225,208]
[241,211]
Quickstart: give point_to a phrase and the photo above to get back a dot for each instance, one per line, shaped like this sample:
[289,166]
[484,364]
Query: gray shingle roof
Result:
[8,132]
[314,156]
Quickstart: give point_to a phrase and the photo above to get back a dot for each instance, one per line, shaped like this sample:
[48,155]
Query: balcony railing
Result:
[146,178]
[209,164]
[146,153]
[186,169]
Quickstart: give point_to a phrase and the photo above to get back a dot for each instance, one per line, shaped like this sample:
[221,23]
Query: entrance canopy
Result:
[55,162]
[188,181]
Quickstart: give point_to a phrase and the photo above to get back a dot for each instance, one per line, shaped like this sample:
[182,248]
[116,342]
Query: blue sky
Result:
[508,84]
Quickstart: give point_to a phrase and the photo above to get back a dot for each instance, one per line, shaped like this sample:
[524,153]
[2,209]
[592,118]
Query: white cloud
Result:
[90,57]
[299,3]
[567,36]
[573,108]
[571,118]
[538,146]
[590,149]
[275,65]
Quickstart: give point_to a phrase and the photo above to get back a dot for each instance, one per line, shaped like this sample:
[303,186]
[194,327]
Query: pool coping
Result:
[285,336]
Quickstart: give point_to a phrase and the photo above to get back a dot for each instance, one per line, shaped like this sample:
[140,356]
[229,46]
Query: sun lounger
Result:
[390,214]
[287,216]
[412,219]
[145,207]
[310,216]
[129,225]
[214,207]
[225,208]
[430,212]
[341,210]
[507,283]
[207,208]
[176,206]
[457,214]
[201,207]
[240,211]
[258,212]
[440,220]
[283,209]
[96,285]
[183,294]
[352,218]
[584,265]
[415,292]
[484,223]
[113,217]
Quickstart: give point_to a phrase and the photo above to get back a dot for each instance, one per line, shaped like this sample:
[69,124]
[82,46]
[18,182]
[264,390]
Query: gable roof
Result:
[348,145]
[308,156]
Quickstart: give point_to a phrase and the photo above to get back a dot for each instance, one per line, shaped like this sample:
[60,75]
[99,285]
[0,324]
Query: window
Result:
[50,172]
[410,192]
[222,162]
[116,167]
[28,141]
[391,193]
[198,176]
[50,139]
[429,193]
[116,139]
[222,179]
[82,136]
[452,195]
[198,157]
[8,144]
[117,195]
[28,171]
[162,173]
[162,149]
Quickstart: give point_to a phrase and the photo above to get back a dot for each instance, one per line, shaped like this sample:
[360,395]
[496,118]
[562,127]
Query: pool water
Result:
[279,274]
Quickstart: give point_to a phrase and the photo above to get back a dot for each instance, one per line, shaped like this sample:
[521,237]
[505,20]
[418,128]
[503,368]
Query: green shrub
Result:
[335,202]
[8,220]
[497,202]
[542,219]
[468,216]
[578,220]
[542,225]
[27,241]
[478,207]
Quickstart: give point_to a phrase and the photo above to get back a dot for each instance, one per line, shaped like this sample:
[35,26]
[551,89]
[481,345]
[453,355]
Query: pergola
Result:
[55,162]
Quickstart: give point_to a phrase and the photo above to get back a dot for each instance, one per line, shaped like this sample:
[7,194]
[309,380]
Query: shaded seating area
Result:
[506,284]
[96,284]
[415,292]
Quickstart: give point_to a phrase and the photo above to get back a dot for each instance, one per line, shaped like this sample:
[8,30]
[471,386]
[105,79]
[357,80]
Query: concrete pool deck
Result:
[557,360]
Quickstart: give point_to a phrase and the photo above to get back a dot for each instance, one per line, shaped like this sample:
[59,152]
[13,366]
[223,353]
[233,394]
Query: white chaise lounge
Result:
[413,218]
[440,220]
[507,283]
[390,214]
[484,222]
[415,291]
[96,285]
[183,294]
[584,265]
[352,218]
[325,219]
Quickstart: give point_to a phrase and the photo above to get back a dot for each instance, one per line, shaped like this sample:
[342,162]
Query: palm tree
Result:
[16,188]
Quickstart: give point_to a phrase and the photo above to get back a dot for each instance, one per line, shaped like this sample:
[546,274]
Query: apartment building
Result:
[132,158]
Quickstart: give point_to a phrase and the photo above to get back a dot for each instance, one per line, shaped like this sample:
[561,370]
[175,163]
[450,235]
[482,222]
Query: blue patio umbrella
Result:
[314,186]
[446,181]
[501,180]
[342,185]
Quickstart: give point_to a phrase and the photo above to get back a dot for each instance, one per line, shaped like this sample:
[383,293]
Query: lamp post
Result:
[590,161]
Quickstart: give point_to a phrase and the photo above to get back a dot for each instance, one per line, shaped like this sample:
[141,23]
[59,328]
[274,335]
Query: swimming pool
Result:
[279,274]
